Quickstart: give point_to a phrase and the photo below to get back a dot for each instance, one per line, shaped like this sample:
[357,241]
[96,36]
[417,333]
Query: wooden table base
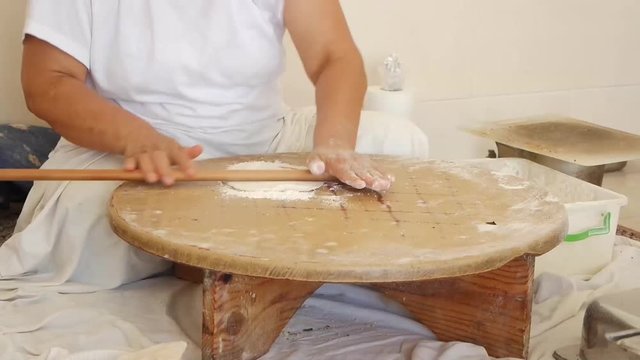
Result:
[243,315]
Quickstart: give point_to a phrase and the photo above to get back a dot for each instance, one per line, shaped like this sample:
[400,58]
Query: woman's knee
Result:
[87,197]
[385,134]
[91,196]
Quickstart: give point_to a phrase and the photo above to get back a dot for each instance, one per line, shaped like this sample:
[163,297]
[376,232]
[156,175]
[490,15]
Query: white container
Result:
[593,214]
[399,103]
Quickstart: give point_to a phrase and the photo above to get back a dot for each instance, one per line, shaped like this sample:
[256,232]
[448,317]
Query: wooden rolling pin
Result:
[123,175]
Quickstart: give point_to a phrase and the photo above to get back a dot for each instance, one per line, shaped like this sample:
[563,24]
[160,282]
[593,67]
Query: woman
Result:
[150,84]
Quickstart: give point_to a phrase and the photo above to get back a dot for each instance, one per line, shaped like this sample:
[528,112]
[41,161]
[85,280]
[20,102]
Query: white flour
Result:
[274,190]
[288,195]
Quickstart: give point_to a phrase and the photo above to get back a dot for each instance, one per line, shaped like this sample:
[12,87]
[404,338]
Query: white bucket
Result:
[593,214]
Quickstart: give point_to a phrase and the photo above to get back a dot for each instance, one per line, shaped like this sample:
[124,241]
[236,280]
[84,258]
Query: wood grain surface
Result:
[567,139]
[243,316]
[440,219]
[491,309]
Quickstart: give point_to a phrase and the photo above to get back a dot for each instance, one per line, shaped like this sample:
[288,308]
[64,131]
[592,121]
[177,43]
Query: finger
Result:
[381,173]
[146,166]
[346,174]
[377,174]
[377,183]
[364,173]
[182,159]
[368,172]
[381,182]
[130,163]
[316,165]
[194,151]
[162,166]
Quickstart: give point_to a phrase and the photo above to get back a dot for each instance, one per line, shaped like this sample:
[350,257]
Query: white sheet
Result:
[339,321]
[560,302]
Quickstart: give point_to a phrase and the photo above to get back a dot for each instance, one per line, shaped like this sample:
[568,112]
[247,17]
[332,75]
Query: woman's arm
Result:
[55,91]
[333,63]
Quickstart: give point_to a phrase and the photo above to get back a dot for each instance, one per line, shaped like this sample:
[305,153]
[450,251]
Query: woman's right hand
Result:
[155,154]
[55,89]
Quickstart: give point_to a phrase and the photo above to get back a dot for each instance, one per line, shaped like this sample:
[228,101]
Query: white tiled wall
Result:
[12,108]
[617,107]
[481,60]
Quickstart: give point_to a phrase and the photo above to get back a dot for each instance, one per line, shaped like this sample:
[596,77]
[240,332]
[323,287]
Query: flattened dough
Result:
[271,186]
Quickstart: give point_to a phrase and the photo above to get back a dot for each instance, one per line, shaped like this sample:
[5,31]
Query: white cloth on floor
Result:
[560,302]
[339,321]
[105,325]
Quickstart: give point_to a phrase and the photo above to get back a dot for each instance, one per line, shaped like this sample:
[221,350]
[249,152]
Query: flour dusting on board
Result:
[510,182]
[264,165]
[287,195]
[275,190]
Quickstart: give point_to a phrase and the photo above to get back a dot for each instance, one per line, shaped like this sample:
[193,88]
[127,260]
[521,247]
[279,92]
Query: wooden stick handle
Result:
[123,175]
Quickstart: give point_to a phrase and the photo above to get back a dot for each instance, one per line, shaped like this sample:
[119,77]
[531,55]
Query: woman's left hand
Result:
[355,170]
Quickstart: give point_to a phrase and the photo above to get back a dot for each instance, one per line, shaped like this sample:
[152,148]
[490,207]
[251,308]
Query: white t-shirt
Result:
[203,69]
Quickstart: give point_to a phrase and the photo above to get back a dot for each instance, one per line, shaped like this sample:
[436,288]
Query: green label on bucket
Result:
[605,229]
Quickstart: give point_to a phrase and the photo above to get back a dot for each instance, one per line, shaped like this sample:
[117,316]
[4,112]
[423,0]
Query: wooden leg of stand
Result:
[243,316]
[491,309]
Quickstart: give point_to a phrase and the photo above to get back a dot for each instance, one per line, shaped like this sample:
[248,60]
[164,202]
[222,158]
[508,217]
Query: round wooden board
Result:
[440,219]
